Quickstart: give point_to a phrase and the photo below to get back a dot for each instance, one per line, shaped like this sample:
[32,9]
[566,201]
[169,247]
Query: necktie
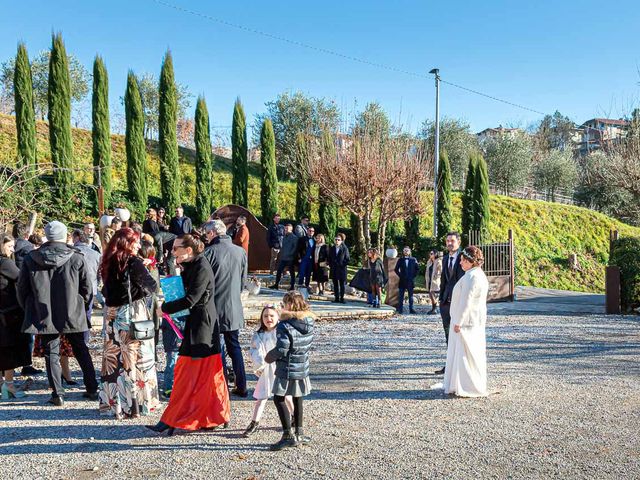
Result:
[450,267]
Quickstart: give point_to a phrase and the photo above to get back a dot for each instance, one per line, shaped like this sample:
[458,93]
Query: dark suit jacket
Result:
[174,228]
[338,263]
[406,273]
[447,283]
[303,245]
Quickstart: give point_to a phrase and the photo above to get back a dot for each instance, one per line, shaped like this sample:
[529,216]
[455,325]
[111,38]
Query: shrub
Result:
[624,254]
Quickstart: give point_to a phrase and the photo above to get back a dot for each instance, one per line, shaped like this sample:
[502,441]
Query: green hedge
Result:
[625,254]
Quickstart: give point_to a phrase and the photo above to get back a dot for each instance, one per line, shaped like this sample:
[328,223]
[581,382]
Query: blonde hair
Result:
[318,236]
[295,302]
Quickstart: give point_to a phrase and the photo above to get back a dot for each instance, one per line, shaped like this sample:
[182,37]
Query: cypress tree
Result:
[204,162]
[135,147]
[269,179]
[167,135]
[481,215]
[412,232]
[303,186]
[328,210]
[239,185]
[101,133]
[59,101]
[25,114]
[467,198]
[445,215]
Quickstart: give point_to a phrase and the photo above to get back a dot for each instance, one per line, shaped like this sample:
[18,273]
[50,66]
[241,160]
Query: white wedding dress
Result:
[466,369]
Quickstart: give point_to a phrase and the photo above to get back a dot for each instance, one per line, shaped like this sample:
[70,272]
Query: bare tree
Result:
[20,192]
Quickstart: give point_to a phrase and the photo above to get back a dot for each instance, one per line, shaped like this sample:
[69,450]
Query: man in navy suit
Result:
[451,272]
[407,270]
[338,261]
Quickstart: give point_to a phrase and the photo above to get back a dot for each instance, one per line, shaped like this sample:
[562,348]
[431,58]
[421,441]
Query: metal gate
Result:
[499,266]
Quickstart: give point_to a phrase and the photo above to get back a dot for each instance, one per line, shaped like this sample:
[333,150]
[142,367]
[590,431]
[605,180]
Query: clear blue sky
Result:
[581,58]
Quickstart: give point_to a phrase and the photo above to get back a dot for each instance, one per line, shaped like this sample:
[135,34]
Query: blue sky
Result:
[581,58]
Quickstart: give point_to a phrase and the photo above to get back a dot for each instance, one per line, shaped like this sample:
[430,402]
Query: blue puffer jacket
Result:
[294,336]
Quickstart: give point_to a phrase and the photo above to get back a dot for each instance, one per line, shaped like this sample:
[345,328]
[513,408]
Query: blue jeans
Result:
[401,291]
[172,358]
[235,352]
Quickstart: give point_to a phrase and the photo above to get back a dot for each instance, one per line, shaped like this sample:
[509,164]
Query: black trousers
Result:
[292,271]
[51,344]
[338,288]
[446,319]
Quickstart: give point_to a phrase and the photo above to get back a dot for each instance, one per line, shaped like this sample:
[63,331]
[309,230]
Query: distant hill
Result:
[545,233]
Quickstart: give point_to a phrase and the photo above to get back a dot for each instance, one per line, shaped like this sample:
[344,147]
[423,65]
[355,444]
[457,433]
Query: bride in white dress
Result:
[466,370]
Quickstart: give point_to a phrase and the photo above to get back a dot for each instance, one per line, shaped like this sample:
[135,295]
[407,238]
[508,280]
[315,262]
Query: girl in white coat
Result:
[466,371]
[262,342]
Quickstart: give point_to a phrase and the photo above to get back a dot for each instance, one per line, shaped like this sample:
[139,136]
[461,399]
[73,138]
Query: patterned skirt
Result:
[128,381]
[65,347]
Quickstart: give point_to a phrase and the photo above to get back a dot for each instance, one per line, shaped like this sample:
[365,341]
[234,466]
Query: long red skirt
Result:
[199,398]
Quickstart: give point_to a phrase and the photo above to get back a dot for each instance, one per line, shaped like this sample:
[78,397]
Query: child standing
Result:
[263,341]
[291,354]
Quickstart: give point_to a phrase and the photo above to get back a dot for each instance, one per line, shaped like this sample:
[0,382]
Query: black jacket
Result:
[11,315]
[306,244]
[407,274]
[338,263]
[275,234]
[291,353]
[174,227]
[151,227]
[201,332]
[21,250]
[115,286]
[53,289]
[289,248]
[229,265]
[377,274]
[447,283]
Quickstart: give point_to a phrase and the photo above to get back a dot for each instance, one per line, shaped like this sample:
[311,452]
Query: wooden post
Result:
[512,273]
[100,201]
[612,290]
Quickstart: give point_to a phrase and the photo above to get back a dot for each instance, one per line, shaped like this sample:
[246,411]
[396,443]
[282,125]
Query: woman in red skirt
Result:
[199,399]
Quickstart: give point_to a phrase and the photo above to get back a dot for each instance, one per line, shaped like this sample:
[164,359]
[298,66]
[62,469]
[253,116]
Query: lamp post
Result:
[436,72]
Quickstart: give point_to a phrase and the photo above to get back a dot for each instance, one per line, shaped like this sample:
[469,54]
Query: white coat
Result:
[466,370]
[261,344]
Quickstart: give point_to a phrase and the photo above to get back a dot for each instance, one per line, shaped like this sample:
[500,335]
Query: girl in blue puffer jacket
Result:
[294,336]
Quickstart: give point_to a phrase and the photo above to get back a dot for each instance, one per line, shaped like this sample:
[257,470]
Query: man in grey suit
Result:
[229,264]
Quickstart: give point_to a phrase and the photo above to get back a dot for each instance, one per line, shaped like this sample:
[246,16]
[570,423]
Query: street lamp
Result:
[436,72]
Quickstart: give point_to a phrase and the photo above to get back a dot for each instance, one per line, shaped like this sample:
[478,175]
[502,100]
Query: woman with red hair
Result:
[129,385]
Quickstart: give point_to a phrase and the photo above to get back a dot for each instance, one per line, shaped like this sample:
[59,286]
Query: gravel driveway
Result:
[566,405]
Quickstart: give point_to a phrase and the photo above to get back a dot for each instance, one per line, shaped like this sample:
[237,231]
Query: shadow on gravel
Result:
[379,395]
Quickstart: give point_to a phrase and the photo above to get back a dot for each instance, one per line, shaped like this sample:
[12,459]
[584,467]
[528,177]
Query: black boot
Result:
[288,440]
[161,427]
[251,429]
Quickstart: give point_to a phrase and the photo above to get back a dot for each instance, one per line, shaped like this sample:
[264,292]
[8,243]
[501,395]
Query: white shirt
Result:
[452,263]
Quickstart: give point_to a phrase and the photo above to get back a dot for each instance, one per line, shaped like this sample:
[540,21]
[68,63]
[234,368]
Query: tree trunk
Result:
[382,232]
[366,226]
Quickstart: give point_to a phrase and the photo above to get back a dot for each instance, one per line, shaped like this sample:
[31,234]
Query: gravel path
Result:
[566,405]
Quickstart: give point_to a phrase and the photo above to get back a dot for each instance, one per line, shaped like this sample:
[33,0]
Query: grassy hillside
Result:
[545,233]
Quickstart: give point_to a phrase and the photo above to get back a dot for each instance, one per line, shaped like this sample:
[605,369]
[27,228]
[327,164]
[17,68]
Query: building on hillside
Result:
[489,133]
[599,132]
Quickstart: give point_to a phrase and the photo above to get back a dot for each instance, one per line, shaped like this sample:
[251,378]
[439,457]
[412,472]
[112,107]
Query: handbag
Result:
[139,329]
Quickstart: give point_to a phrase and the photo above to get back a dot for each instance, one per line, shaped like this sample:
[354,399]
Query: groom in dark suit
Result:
[407,271]
[451,272]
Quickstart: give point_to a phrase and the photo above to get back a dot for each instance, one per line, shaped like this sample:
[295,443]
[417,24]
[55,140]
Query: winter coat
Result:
[406,273]
[176,229]
[377,275]
[275,234]
[338,262]
[11,315]
[201,332]
[261,344]
[92,261]
[301,230]
[116,284]
[241,238]
[53,289]
[289,248]
[21,249]
[433,283]
[294,337]
[229,265]
[320,263]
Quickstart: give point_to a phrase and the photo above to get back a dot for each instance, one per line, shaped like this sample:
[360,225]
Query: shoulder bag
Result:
[140,327]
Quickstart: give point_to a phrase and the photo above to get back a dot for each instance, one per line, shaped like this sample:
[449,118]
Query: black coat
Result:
[151,227]
[377,275]
[201,332]
[407,274]
[275,234]
[115,286]
[321,267]
[294,336]
[21,250]
[174,227]
[229,265]
[338,263]
[447,283]
[11,315]
[53,289]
